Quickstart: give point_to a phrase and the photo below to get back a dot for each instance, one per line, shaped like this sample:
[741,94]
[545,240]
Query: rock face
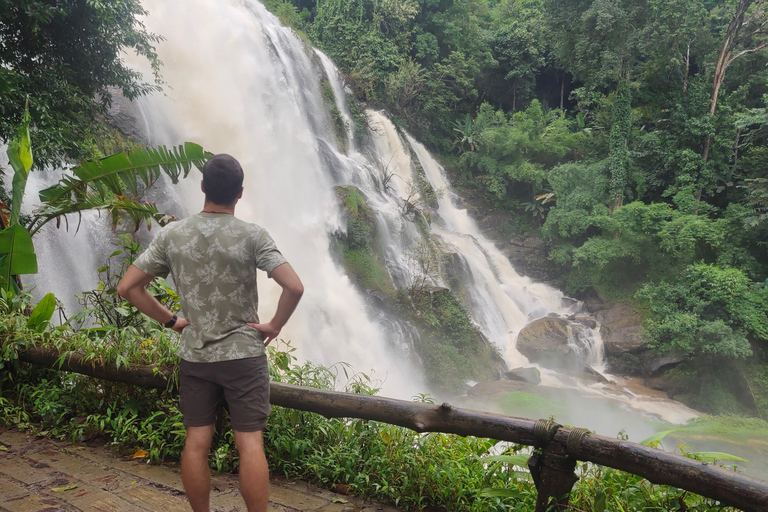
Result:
[620,329]
[124,116]
[660,364]
[545,341]
[529,375]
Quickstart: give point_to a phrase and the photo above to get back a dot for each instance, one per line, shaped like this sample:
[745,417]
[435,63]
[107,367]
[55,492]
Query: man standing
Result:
[213,257]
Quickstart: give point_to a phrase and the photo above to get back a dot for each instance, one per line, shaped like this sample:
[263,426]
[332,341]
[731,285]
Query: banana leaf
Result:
[127,173]
[20,157]
[17,255]
[115,183]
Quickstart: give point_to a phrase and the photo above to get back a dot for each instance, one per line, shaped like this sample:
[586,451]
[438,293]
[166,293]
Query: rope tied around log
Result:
[573,444]
[543,432]
[552,465]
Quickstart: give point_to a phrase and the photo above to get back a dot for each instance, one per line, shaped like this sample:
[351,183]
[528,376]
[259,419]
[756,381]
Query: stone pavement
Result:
[41,475]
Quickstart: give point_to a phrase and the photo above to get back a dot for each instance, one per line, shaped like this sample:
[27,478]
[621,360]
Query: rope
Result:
[575,437]
[543,432]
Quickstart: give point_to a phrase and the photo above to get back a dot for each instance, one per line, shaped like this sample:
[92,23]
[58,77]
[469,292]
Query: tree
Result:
[745,35]
[65,55]
[618,160]
[520,43]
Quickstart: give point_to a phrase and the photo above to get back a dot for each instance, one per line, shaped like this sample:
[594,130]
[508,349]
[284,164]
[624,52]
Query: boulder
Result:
[587,320]
[620,328]
[660,364]
[545,341]
[592,301]
[529,375]
[589,373]
[492,389]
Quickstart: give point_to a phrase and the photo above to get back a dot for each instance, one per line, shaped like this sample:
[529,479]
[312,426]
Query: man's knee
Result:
[249,442]
[199,439]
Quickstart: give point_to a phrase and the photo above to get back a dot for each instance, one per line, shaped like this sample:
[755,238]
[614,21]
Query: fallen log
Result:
[145,376]
[657,466]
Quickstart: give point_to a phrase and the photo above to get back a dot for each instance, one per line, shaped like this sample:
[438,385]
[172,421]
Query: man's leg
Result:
[195,472]
[254,472]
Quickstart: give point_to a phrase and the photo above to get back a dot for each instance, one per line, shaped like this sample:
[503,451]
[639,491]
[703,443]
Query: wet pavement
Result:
[42,475]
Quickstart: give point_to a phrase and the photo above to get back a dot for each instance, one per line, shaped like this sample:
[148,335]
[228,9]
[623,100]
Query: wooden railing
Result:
[560,446]
[552,466]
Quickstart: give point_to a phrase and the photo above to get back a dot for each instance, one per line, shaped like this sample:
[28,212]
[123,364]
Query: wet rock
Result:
[529,375]
[592,301]
[586,320]
[124,115]
[589,373]
[660,364]
[545,341]
[620,328]
[491,389]
[569,302]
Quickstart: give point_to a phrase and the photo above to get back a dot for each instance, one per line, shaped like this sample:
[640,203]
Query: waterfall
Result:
[241,83]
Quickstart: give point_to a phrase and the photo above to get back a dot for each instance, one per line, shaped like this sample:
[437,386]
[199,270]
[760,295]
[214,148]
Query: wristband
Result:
[170,323]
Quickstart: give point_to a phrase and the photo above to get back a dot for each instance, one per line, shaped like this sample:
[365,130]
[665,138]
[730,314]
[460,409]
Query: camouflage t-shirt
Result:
[213,259]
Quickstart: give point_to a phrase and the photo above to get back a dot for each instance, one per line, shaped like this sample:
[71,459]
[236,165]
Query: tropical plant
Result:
[116,184]
[17,255]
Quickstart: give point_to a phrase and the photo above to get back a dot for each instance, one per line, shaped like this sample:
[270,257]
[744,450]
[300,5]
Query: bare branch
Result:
[745,52]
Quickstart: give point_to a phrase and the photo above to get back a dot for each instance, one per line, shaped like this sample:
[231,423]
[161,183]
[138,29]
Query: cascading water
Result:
[241,83]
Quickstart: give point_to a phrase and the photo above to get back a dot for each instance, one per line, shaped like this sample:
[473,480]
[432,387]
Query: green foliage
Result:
[370,459]
[709,312]
[105,309]
[41,315]
[21,160]
[104,184]
[17,255]
[64,56]
[514,152]
[618,160]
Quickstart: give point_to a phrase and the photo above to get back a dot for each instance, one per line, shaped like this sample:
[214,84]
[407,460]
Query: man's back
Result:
[214,260]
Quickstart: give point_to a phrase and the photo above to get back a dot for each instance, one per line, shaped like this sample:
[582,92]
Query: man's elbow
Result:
[296,289]
[123,290]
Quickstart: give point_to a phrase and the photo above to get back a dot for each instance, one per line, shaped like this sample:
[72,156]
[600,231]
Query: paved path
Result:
[40,475]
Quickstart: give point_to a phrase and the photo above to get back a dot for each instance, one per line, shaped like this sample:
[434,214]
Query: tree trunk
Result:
[687,68]
[152,377]
[724,59]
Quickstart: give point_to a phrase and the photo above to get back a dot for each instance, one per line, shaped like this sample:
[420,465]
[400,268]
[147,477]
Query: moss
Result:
[520,403]
[463,351]
[428,194]
[338,123]
[359,247]
[757,380]
[359,118]
[369,274]
[354,204]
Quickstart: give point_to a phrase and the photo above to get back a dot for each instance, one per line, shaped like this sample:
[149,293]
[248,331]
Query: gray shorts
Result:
[243,383]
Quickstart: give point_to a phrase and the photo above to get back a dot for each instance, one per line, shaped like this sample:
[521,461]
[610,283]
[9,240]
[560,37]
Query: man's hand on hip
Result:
[268,330]
[180,324]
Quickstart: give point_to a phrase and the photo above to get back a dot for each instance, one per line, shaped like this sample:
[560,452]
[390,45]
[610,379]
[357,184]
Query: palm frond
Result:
[127,173]
[116,183]
[121,209]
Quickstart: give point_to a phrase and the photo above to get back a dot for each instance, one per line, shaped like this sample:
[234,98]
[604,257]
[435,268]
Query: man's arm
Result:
[285,276]
[133,288]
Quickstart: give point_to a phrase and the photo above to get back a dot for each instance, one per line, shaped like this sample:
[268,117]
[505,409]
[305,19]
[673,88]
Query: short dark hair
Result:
[222,179]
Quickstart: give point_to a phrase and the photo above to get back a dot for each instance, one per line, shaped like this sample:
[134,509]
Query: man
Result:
[213,257]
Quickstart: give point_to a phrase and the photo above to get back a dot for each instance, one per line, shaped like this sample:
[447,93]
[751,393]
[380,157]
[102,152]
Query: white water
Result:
[241,83]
